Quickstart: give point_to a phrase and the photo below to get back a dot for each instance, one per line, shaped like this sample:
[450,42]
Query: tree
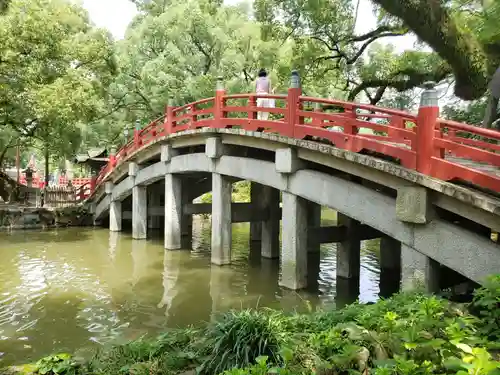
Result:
[54,70]
[463,33]
[383,69]
[324,30]
[179,53]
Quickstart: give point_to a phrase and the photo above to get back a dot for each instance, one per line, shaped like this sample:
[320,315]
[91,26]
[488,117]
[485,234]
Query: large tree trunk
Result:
[432,22]
[4,151]
[490,114]
[47,165]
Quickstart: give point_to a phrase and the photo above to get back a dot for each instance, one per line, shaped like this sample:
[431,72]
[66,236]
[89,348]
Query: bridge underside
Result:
[422,230]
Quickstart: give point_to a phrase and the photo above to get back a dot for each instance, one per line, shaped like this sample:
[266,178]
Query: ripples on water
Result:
[71,288]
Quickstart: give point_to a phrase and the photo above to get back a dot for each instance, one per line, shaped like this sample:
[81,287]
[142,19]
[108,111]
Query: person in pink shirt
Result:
[263,87]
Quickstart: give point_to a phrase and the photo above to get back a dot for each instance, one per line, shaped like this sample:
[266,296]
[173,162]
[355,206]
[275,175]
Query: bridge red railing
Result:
[62,181]
[82,192]
[439,148]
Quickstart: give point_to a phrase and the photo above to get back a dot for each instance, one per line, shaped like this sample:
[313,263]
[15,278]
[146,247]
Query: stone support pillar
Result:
[418,271]
[115,216]
[139,205]
[390,266]
[256,201]
[186,223]
[314,221]
[173,211]
[270,228]
[139,212]
[115,209]
[390,254]
[154,201]
[294,242]
[348,251]
[313,245]
[221,219]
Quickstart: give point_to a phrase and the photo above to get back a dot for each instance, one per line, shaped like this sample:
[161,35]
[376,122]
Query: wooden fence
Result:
[59,196]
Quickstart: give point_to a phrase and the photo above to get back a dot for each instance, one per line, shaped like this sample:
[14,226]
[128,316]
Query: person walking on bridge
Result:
[263,87]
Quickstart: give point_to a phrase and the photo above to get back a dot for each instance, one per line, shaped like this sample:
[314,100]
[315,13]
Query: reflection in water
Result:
[170,275]
[71,288]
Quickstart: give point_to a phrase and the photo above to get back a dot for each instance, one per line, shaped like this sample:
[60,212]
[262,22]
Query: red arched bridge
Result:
[443,149]
[428,187]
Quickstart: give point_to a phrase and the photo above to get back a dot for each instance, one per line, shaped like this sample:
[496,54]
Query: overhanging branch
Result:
[433,23]
[395,81]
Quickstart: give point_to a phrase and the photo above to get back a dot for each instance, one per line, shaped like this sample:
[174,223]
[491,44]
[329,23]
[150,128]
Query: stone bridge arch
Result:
[372,193]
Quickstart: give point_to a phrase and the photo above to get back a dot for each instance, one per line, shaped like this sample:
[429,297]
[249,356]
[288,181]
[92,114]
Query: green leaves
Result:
[486,304]
[57,364]
[53,72]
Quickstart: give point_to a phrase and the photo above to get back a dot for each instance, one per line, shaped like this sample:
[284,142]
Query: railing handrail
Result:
[416,146]
[367,107]
[192,104]
[488,133]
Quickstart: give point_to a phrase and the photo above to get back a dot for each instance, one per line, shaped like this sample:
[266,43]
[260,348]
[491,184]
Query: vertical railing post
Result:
[252,103]
[194,117]
[153,130]
[169,119]
[81,193]
[428,113]
[293,104]
[93,182]
[219,103]
[112,158]
[137,131]
[318,109]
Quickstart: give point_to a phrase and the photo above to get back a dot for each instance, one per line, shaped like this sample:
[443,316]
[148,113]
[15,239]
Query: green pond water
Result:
[72,288]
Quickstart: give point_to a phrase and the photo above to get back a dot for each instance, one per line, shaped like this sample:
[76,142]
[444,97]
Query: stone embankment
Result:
[14,217]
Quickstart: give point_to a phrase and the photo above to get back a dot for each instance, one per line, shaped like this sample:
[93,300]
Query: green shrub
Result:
[238,338]
[57,364]
[169,352]
[406,334]
[409,333]
[260,368]
[486,304]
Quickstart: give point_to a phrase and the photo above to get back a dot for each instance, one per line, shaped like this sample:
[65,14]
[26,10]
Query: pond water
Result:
[65,289]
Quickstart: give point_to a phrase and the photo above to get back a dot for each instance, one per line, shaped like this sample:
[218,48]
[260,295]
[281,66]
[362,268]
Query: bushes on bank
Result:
[167,354]
[239,338]
[486,305]
[407,334]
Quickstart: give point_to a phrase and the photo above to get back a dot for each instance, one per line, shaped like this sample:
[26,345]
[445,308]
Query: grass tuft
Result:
[238,338]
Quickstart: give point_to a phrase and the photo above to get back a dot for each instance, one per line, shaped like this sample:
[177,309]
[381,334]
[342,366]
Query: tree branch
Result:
[395,81]
[208,61]
[368,38]
[432,22]
[381,31]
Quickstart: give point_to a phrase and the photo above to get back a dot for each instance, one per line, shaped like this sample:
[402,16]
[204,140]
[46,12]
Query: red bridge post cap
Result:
[220,83]
[429,97]
[295,80]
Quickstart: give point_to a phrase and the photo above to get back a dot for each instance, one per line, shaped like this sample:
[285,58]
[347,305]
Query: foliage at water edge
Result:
[406,334]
